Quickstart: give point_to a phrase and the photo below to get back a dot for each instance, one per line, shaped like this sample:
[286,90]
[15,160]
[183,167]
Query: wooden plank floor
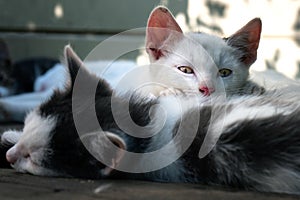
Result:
[14,185]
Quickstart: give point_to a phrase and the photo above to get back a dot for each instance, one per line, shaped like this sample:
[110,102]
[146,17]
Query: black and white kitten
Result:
[258,148]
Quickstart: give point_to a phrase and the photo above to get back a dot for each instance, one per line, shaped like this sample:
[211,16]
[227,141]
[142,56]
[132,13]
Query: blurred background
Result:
[35,28]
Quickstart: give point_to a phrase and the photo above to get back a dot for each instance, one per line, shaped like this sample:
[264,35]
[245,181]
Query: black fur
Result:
[3,149]
[248,153]
[250,149]
[68,155]
[259,154]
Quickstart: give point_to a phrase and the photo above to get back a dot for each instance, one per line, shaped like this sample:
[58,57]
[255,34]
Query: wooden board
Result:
[14,185]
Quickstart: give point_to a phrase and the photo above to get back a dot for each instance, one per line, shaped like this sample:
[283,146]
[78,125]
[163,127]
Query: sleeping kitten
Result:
[205,63]
[259,150]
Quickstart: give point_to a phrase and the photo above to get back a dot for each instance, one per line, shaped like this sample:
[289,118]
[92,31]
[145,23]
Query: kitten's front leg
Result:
[10,137]
[171,91]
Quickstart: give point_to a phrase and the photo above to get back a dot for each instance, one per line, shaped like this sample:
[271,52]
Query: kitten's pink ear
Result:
[117,155]
[161,24]
[246,40]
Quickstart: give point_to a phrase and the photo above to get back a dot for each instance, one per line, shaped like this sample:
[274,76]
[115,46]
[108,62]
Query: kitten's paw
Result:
[258,90]
[171,91]
[10,137]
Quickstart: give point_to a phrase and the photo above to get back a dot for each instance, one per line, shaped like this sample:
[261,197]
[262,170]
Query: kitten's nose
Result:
[12,155]
[206,91]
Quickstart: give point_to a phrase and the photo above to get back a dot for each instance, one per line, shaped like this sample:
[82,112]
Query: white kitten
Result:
[199,62]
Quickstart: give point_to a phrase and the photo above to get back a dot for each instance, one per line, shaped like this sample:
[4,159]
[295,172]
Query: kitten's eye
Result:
[186,69]
[225,72]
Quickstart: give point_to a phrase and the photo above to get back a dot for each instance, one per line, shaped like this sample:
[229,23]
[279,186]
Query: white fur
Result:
[271,79]
[281,102]
[205,54]
[188,51]
[238,109]
[173,108]
[10,137]
[244,113]
[26,155]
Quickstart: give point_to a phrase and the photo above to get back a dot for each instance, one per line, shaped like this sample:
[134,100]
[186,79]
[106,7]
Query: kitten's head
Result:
[49,143]
[208,63]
